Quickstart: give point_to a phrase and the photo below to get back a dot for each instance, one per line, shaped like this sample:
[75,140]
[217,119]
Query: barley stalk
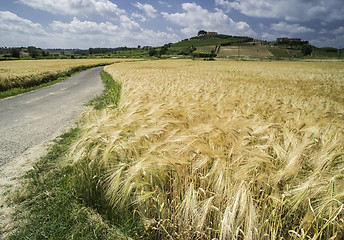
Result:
[227,150]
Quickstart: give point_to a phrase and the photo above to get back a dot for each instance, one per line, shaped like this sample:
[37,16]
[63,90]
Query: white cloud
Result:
[338,31]
[195,18]
[95,30]
[139,16]
[225,4]
[165,4]
[77,7]
[86,27]
[290,28]
[78,34]
[16,31]
[147,8]
[289,10]
[336,41]
[87,34]
[13,23]
[129,24]
[323,31]
[271,36]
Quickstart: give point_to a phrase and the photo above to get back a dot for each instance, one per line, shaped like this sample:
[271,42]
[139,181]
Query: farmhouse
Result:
[203,33]
[287,40]
[211,34]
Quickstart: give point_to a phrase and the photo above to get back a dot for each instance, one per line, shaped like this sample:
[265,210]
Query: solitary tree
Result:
[202,33]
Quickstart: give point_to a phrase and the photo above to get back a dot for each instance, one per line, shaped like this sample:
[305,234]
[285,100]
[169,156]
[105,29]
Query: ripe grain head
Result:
[234,149]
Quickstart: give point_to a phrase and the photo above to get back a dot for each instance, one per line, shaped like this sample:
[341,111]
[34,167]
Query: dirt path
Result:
[9,179]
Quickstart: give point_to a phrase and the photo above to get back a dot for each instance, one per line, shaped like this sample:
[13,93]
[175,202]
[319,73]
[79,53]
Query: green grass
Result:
[125,53]
[317,53]
[61,200]
[202,42]
[279,52]
[112,93]
[323,54]
[205,50]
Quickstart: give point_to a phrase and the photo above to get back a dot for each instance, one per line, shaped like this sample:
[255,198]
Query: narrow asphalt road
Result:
[30,119]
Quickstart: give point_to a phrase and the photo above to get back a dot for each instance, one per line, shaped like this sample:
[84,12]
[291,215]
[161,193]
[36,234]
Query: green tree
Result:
[152,52]
[164,49]
[202,33]
[33,51]
[45,53]
[15,53]
[306,50]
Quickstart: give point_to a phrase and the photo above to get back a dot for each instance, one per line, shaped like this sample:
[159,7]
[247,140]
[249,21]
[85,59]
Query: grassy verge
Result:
[60,200]
[112,93]
[39,81]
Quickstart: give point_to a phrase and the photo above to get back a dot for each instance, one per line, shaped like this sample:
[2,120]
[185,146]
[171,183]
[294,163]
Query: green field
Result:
[247,51]
[279,52]
[203,42]
[206,49]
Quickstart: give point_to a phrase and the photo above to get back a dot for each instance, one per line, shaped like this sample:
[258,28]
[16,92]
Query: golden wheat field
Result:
[20,73]
[224,150]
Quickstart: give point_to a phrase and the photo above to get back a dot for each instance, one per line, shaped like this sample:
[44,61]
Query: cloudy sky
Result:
[113,23]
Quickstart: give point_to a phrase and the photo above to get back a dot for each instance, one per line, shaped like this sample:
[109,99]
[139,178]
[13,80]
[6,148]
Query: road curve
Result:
[37,117]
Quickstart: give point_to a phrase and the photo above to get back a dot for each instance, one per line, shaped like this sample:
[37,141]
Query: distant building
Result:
[211,34]
[287,40]
[279,40]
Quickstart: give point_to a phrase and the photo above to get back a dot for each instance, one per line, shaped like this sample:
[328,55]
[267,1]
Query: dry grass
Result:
[226,150]
[24,73]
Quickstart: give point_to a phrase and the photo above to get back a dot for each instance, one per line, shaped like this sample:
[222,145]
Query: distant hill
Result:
[225,46]
[203,46]
[194,43]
